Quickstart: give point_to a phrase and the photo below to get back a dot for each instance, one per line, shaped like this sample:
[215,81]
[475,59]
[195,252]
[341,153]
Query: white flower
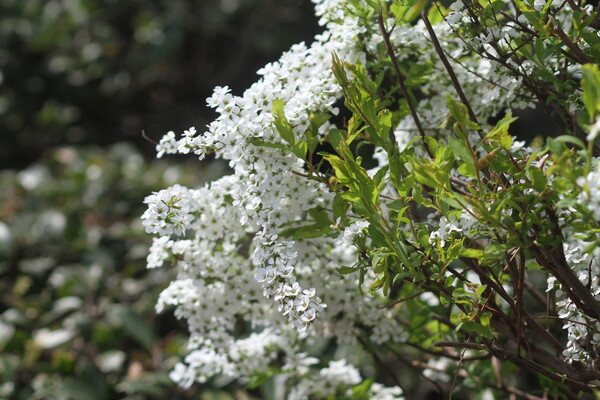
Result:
[169,211]
[594,130]
[159,251]
[47,339]
[445,228]
[168,144]
[590,195]
[352,232]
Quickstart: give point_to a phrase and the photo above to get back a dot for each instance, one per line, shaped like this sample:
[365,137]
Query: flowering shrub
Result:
[456,254]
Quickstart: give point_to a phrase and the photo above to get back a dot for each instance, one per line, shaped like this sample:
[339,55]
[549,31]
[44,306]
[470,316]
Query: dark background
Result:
[100,71]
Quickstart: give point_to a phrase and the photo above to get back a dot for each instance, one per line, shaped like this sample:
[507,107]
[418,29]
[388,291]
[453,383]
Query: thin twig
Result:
[400,77]
[148,139]
[583,58]
[459,345]
[449,69]
[402,300]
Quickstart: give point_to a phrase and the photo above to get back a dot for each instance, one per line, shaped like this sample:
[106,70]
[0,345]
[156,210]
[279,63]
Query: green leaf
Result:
[428,175]
[319,119]
[300,148]
[495,250]
[384,125]
[479,291]
[467,169]
[572,140]
[532,16]
[538,179]
[134,325]
[566,202]
[458,110]
[479,329]
[494,8]
[79,389]
[361,391]
[336,138]
[379,177]
[454,251]
[362,191]
[591,89]
[472,253]
[320,227]
[418,75]
[346,270]
[312,133]
[320,216]
[499,134]
[377,284]
[88,384]
[485,318]
[340,206]
[281,123]
[436,13]
[337,66]
[258,378]
[414,10]
[354,128]
[432,144]
[398,9]
[377,237]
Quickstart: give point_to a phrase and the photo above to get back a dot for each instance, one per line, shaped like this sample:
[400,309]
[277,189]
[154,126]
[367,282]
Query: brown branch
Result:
[541,360]
[402,300]
[583,58]
[460,345]
[555,263]
[400,77]
[449,69]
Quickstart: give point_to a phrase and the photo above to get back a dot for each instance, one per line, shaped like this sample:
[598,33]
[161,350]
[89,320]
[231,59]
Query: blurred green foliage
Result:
[100,71]
[77,317]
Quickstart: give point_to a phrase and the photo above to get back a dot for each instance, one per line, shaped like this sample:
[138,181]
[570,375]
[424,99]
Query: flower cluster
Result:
[353,231]
[169,211]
